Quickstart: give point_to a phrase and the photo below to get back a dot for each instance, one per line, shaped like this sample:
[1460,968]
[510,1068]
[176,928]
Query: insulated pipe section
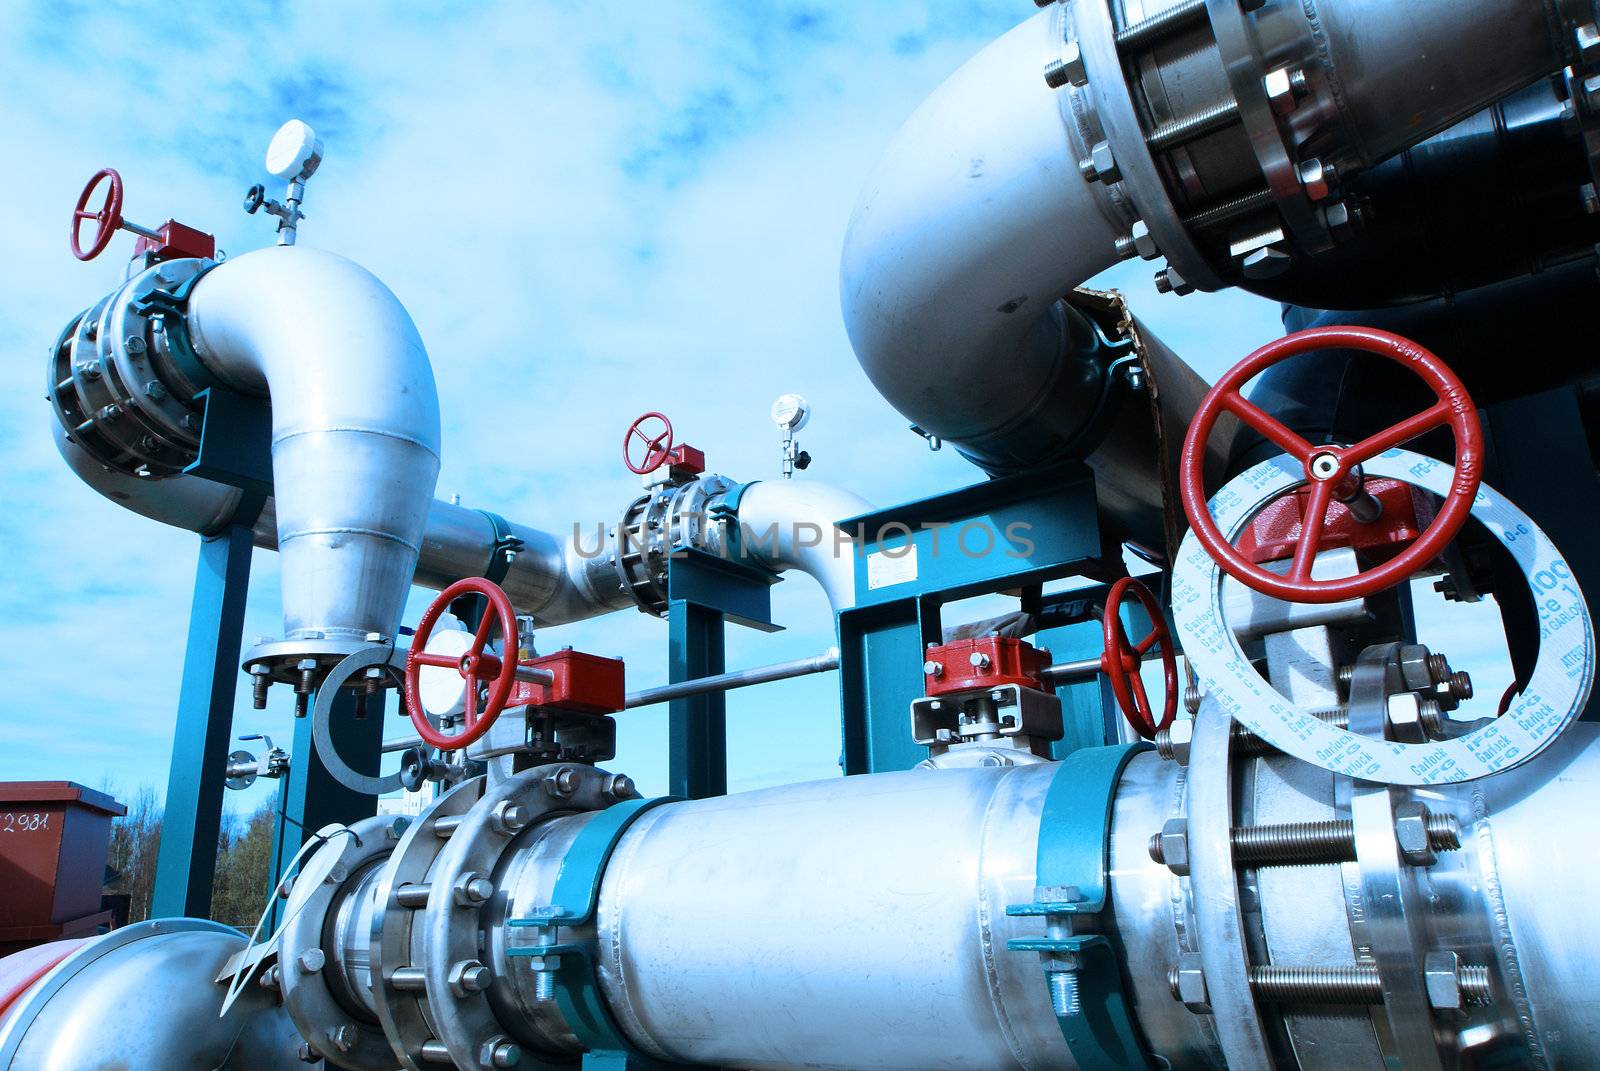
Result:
[355,426]
[732,934]
[1216,134]
[973,225]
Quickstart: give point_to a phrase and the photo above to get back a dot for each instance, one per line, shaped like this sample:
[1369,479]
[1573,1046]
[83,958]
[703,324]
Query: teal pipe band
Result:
[575,898]
[727,511]
[173,309]
[504,551]
[1070,892]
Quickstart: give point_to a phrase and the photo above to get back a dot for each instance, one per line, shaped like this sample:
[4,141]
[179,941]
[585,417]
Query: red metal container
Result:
[53,841]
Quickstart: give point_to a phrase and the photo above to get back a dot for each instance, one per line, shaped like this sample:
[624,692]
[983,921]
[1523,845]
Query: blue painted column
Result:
[187,863]
[697,728]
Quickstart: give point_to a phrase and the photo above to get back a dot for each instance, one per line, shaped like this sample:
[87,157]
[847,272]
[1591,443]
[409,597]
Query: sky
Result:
[590,211]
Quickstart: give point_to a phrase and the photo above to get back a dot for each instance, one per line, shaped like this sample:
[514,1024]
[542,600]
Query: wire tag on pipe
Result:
[1562,675]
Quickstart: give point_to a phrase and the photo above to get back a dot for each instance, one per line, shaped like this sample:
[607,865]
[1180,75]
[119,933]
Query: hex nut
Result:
[344,1036]
[1168,281]
[1284,88]
[1405,718]
[1315,179]
[621,787]
[1175,846]
[1191,977]
[1143,242]
[1441,972]
[473,889]
[1587,38]
[1414,667]
[1101,165]
[1337,216]
[509,818]
[500,1052]
[1267,262]
[1180,735]
[1072,63]
[1411,833]
[469,976]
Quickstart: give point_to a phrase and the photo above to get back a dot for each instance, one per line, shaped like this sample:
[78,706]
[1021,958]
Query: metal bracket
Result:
[1086,986]
[504,551]
[576,897]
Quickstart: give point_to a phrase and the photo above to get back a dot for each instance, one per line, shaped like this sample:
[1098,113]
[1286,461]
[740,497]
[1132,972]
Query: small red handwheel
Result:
[108,215]
[1332,470]
[1121,659]
[654,430]
[476,666]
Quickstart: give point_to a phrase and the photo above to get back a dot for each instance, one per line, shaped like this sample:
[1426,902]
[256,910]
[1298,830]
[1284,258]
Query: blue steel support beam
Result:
[697,730]
[311,797]
[186,865]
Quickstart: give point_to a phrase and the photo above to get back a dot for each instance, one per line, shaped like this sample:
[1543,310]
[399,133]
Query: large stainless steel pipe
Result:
[355,426]
[1069,143]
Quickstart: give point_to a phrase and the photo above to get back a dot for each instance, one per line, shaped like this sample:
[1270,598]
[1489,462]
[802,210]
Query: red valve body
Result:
[1273,534]
[1010,661]
[178,241]
[584,683]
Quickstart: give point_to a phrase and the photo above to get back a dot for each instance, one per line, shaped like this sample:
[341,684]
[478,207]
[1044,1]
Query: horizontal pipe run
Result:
[739,678]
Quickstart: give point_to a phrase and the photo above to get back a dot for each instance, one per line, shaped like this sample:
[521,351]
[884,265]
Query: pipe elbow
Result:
[973,225]
[355,426]
[791,524]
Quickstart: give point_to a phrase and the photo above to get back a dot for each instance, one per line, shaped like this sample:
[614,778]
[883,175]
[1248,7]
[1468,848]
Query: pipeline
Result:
[1053,153]
[789,525]
[726,933]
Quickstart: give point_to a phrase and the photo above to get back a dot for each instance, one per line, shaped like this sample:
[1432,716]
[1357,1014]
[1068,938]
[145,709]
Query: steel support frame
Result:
[704,592]
[913,559]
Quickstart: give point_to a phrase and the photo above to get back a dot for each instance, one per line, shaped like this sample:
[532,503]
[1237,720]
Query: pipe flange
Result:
[336,1031]
[1219,929]
[397,928]
[1402,910]
[655,525]
[1240,35]
[284,661]
[119,381]
[452,938]
[1145,195]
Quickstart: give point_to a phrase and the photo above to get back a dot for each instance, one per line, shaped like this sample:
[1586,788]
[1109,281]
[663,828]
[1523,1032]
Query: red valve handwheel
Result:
[657,447]
[109,214]
[475,665]
[1329,469]
[1121,659]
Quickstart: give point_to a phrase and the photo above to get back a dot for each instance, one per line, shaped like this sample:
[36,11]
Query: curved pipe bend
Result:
[355,426]
[791,524]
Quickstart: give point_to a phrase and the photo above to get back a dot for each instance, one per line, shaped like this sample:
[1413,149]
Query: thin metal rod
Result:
[401,743]
[143,232]
[1193,127]
[739,678]
[534,675]
[1173,20]
[1082,669]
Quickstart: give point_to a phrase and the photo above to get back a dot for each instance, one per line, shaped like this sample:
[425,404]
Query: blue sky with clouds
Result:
[589,210]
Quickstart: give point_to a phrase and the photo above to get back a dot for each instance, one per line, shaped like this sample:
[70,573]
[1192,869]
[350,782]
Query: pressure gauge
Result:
[295,152]
[790,412]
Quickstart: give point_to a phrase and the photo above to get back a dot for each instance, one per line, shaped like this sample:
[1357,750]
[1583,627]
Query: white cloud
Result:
[590,211]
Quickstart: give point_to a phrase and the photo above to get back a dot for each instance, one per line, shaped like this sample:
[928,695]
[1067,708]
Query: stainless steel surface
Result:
[791,525]
[142,999]
[355,426]
[328,917]
[450,936]
[828,925]
[739,678]
[1219,925]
